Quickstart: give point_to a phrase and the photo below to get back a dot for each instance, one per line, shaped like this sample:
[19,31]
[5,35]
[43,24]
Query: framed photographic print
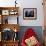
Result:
[30,13]
[5,12]
[10,20]
[13,12]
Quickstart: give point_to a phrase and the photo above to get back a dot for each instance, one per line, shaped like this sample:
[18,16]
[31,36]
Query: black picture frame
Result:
[29,13]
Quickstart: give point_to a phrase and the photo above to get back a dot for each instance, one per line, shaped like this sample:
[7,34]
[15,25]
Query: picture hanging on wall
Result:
[30,13]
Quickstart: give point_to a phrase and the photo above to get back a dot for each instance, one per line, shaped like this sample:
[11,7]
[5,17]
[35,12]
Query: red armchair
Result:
[30,34]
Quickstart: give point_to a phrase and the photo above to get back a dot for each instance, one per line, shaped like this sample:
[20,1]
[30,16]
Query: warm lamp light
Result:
[15,30]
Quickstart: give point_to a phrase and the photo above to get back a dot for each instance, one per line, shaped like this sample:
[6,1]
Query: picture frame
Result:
[10,20]
[5,12]
[30,13]
[13,12]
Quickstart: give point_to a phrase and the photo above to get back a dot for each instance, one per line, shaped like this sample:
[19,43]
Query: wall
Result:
[32,4]
[27,4]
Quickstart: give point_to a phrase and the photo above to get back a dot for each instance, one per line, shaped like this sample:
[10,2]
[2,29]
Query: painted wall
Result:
[26,4]
[32,4]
